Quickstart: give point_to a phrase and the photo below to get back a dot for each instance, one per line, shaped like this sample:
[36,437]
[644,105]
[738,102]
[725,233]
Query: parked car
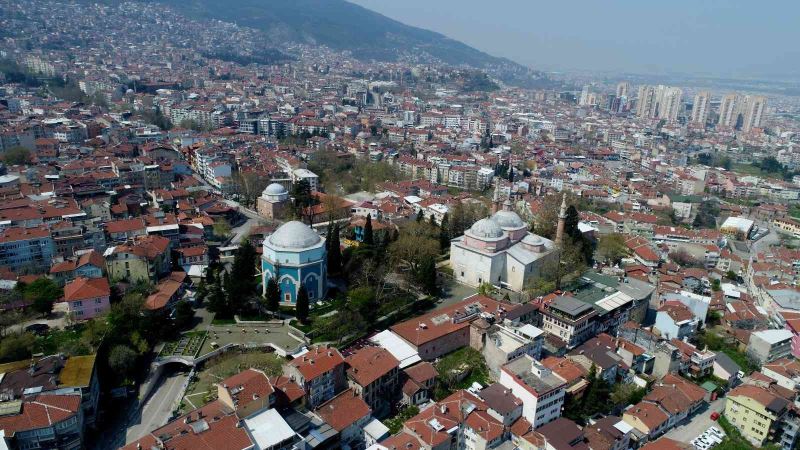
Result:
[714,416]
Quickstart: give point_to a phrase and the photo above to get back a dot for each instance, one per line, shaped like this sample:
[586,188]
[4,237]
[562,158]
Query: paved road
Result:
[242,231]
[701,421]
[158,409]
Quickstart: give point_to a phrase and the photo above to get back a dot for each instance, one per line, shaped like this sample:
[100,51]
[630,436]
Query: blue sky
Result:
[712,37]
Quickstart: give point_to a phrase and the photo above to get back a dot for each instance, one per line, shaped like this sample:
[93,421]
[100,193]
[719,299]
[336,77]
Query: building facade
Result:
[295,256]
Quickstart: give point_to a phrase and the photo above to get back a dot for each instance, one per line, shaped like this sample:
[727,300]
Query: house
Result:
[461,420]
[210,427]
[419,384]
[758,414]
[569,319]
[768,345]
[727,369]
[675,320]
[563,434]
[247,392]
[168,292]
[144,259]
[373,374]
[541,390]
[671,401]
[347,414]
[785,371]
[448,329]
[90,265]
[502,403]
[320,372]
[608,433]
[698,363]
[53,421]
[86,298]
[599,351]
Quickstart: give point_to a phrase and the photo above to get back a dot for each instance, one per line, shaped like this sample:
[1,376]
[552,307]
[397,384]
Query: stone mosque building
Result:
[500,250]
[295,255]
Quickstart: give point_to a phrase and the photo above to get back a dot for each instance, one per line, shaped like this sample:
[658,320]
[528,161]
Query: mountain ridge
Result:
[345,26]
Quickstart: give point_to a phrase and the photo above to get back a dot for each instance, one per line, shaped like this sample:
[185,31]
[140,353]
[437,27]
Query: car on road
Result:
[39,329]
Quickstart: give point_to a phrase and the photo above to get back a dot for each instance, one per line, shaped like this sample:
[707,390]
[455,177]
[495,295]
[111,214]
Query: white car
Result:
[716,432]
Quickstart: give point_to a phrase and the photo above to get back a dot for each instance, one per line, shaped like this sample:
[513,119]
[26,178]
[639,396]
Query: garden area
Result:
[459,370]
[202,388]
[186,345]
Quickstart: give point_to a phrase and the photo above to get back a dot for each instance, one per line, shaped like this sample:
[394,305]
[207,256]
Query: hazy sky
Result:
[718,37]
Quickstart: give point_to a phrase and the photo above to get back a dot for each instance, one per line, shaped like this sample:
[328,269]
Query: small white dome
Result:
[508,219]
[533,239]
[275,189]
[295,235]
[486,228]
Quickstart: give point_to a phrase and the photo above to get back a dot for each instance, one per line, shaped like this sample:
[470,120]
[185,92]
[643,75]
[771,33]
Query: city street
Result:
[158,408]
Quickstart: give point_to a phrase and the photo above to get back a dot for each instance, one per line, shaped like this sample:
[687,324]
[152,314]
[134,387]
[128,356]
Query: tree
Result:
[571,223]
[511,174]
[426,276]
[335,251]
[17,155]
[43,293]
[547,217]
[369,238]
[364,300]
[420,215]
[273,295]
[413,250]
[243,272]
[122,359]
[444,233]
[302,305]
[184,315]
[611,248]
[15,347]
[216,300]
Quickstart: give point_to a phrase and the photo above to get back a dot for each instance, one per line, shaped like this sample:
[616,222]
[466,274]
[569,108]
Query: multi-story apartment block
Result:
[321,372]
[541,391]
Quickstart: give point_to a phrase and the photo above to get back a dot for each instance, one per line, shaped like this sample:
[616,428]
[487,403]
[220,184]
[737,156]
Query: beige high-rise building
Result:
[729,110]
[670,103]
[623,89]
[742,111]
[702,101]
[754,112]
[646,102]
[659,102]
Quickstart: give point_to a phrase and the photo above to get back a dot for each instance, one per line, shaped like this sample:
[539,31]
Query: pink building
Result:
[87,297]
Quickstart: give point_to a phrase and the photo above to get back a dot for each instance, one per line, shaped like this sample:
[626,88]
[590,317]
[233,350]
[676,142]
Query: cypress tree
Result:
[302,306]
[444,232]
[273,295]
[369,237]
[420,216]
[334,251]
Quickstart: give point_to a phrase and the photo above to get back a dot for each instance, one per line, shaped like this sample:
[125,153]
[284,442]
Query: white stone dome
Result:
[486,228]
[275,189]
[295,235]
[533,239]
[508,219]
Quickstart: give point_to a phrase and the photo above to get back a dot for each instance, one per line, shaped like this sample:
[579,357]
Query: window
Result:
[78,303]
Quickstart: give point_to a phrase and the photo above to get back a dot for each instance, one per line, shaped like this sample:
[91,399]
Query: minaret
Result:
[562,220]
[496,199]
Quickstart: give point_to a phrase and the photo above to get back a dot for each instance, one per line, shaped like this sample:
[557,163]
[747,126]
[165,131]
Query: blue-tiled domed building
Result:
[295,254]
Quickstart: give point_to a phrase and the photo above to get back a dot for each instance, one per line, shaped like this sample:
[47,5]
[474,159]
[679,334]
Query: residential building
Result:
[373,375]
[769,345]
[540,390]
[86,298]
[761,415]
[26,248]
[320,372]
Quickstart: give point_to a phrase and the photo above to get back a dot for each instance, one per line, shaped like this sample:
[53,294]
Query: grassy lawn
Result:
[223,322]
[202,388]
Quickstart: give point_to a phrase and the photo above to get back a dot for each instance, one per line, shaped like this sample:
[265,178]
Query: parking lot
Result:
[697,424]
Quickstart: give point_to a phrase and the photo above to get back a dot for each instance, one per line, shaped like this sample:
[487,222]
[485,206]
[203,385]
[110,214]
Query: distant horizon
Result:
[703,39]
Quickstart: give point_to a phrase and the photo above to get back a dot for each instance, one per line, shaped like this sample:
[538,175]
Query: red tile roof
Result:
[85,288]
[317,361]
[370,364]
[343,410]
[41,411]
[247,386]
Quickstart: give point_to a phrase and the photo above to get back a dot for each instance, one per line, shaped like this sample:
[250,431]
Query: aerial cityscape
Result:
[306,225]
